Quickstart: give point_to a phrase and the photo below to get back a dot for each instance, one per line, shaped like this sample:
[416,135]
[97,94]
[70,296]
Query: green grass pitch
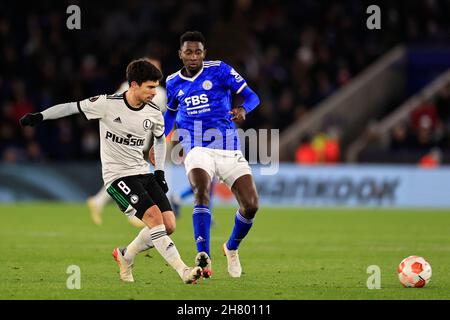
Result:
[289,254]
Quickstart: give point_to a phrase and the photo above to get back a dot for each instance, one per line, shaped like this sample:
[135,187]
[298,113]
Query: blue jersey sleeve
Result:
[172,102]
[232,79]
[251,100]
[169,119]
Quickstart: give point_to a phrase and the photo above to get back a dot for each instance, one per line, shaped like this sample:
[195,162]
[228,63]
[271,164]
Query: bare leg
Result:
[245,191]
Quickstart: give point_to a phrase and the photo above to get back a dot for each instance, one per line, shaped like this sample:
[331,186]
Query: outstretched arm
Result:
[55,112]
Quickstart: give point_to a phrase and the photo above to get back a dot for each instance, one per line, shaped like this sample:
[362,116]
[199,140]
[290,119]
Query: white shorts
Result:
[227,165]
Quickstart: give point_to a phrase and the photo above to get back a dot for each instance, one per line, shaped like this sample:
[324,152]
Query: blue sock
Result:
[241,228]
[202,224]
[186,193]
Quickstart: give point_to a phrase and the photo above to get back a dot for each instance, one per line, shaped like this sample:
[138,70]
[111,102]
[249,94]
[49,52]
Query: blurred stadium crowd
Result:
[423,138]
[292,53]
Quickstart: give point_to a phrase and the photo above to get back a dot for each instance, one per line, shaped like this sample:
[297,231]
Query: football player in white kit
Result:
[125,120]
[97,202]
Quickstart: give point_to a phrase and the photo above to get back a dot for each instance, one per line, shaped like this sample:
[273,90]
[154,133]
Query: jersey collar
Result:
[193,78]
[129,106]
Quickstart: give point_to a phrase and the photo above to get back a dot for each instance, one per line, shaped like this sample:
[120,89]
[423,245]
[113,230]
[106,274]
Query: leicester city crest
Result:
[207,85]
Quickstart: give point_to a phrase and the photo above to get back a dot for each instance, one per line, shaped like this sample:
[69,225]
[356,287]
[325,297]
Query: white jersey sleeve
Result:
[158,125]
[94,107]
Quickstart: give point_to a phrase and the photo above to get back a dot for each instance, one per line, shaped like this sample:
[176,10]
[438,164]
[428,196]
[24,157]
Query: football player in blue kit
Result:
[199,102]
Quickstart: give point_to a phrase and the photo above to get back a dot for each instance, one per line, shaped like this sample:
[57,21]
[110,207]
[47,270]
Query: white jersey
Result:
[123,133]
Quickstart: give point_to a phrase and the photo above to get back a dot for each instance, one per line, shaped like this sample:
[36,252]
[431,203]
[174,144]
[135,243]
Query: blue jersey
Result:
[203,103]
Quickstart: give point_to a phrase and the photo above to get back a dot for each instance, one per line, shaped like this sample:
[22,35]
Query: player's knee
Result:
[152,216]
[149,214]
[250,208]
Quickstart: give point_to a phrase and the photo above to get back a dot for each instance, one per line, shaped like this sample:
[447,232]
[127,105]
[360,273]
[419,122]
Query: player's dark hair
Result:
[195,36]
[142,70]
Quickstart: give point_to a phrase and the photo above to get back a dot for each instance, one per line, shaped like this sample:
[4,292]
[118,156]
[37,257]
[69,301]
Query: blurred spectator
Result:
[443,106]
[34,153]
[323,148]
[11,155]
[427,129]
[332,149]
[431,160]
[326,146]
[424,137]
[305,153]
[20,103]
[401,138]
[424,115]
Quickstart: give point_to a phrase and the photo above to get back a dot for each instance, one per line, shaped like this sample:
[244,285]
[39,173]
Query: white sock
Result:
[102,197]
[167,249]
[142,242]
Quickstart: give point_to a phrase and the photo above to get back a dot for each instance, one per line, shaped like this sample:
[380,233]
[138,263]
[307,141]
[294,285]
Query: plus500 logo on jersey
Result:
[132,142]
[196,100]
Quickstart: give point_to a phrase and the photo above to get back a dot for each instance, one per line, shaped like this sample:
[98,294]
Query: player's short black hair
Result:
[195,36]
[142,70]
